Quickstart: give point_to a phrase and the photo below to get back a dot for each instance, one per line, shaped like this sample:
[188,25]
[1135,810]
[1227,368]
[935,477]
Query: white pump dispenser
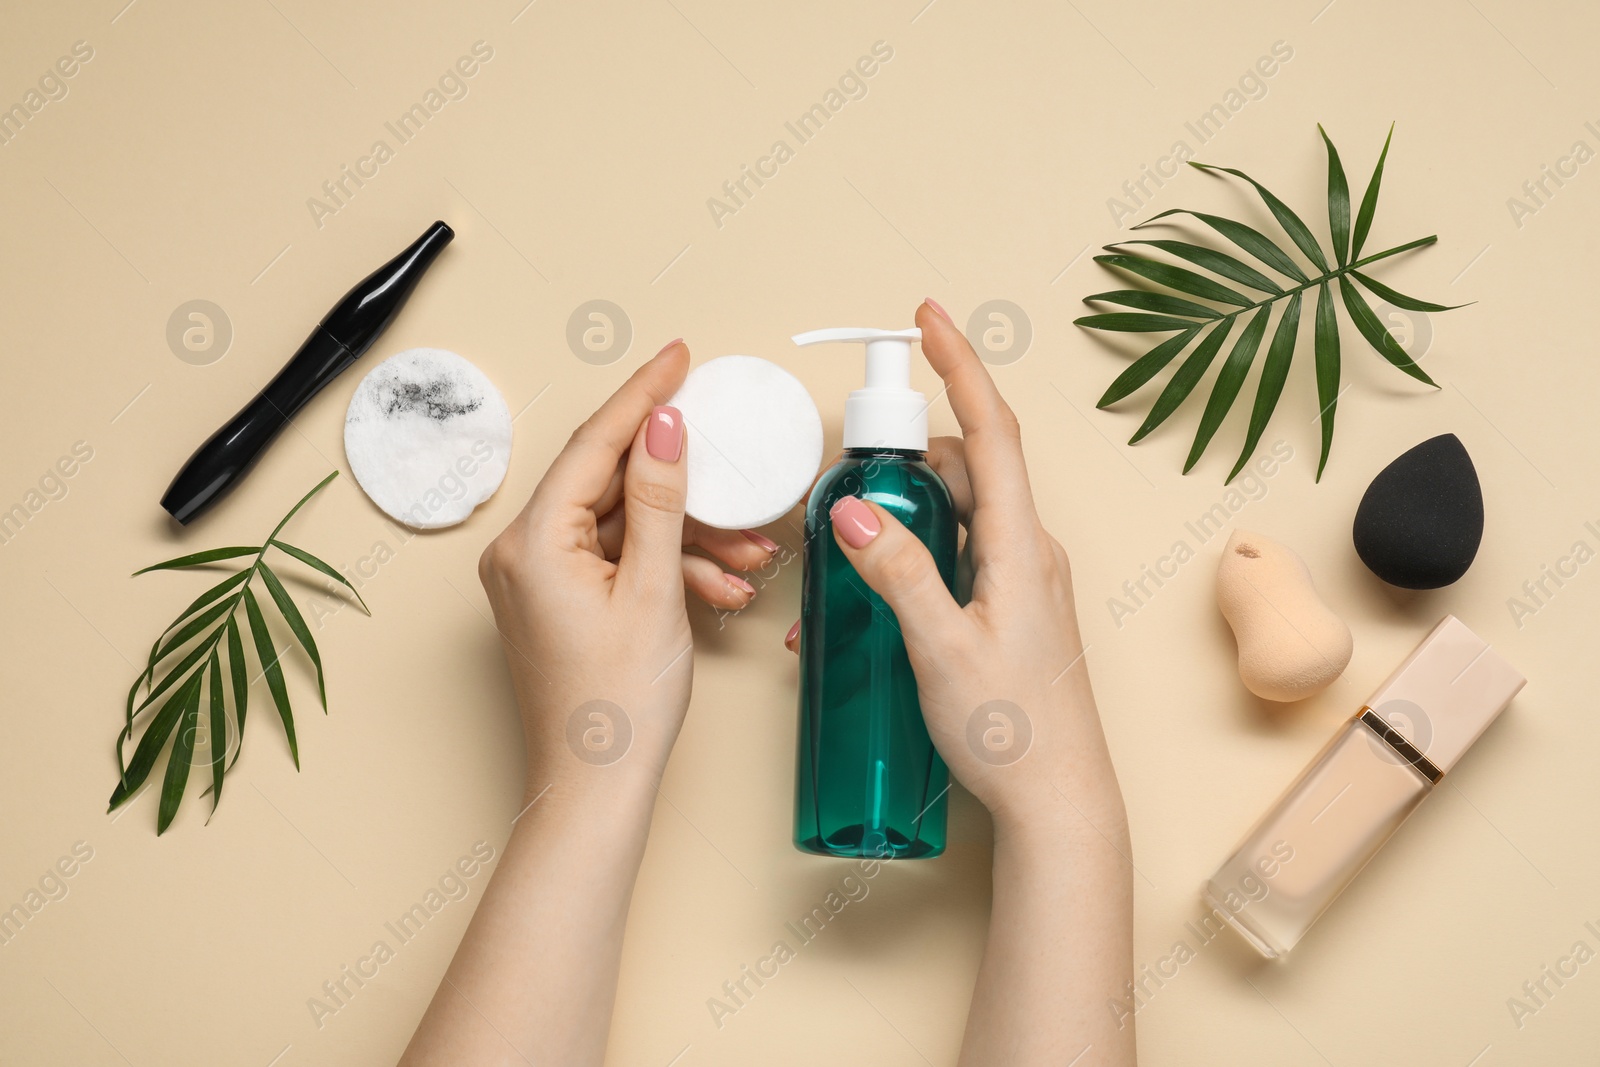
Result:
[886,412]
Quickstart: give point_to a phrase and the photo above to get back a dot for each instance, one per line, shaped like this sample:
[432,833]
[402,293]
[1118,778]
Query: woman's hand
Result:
[587,586]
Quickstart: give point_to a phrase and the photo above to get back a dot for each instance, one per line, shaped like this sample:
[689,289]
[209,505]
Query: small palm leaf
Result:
[217,729]
[198,558]
[239,675]
[146,676]
[1401,300]
[297,624]
[1216,262]
[1183,382]
[150,745]
[1251,240]
[1185,281]
[1338,202]
[267,653]
[1297,230]
[1327,349]
[1134,322]
[192,627]
[1369,200]
[315,489]
[1176,311]
[177,674]
[1229,381]
[1146,367]
[182,755]
[221,589]
[1377,335]
[199,633]
[312,561]
[1274,372]
[1145,300]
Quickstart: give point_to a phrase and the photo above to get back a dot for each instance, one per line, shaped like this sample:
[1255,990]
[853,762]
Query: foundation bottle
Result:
[1384,762]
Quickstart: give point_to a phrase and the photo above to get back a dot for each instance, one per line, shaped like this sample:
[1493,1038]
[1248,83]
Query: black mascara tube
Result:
[342,337]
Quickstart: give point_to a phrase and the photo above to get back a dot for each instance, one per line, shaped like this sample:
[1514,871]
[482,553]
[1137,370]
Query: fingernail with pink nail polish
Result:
[793,634]
[763,543]
[855,521]
[668,345]
[663,438]
[740,584]
[943,314]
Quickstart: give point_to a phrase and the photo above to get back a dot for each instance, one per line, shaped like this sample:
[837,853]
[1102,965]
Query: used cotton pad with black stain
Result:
[428,437]
[754,441]
[1421,520]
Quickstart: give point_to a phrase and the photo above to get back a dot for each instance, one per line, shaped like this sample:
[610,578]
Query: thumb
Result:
[898,567]
[654,486]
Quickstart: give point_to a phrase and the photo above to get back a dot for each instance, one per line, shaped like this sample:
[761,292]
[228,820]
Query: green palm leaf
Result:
[297,624]
[1327,349]
[1251,240]
[203,626]
[192,627]
[1338,202]
[150,745]
[1386,253]
[1145,300]
[222,588]
[1134,322]
[178,762]
[239,675]
[1183,382]
[198,558]
[267,654]
[1274,372]
[1146,367]
[1297,230]
[312,561]
[217,730]
[1400,300]
[1227,385]
[1369,200]
[1175,311]
[145,677]
[315,489]
[1377,334]
[1185,281]
[1216,262]
[176,674]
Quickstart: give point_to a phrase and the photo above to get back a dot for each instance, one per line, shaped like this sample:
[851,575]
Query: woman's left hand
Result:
[587,586]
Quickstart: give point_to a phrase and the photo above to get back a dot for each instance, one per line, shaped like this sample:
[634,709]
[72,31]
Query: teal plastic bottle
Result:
[868,781]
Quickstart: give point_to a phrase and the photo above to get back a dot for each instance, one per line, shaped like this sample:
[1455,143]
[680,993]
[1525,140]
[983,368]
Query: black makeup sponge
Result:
[1420,522]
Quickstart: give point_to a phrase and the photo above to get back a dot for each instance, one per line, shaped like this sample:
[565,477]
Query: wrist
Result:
[607,822]
[1054,814]
[607,792]
[596,743]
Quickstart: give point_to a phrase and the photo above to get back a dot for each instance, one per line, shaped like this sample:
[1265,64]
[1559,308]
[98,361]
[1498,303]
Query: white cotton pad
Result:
[754,441]
[428,437]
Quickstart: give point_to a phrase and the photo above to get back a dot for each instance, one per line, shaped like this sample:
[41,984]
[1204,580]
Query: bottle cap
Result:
[1446,693]
[886,412]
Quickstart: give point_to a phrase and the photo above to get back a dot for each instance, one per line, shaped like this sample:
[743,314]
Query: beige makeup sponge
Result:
[1291,644]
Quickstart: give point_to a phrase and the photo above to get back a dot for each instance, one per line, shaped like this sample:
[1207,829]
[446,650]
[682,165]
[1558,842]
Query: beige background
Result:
[977,167]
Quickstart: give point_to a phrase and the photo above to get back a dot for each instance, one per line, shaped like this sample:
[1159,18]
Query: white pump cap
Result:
[886,412]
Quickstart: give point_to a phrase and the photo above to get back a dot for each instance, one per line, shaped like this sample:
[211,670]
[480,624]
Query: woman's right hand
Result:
[1002,681]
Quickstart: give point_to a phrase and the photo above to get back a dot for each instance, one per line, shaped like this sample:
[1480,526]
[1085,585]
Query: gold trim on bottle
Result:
[1402,748]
